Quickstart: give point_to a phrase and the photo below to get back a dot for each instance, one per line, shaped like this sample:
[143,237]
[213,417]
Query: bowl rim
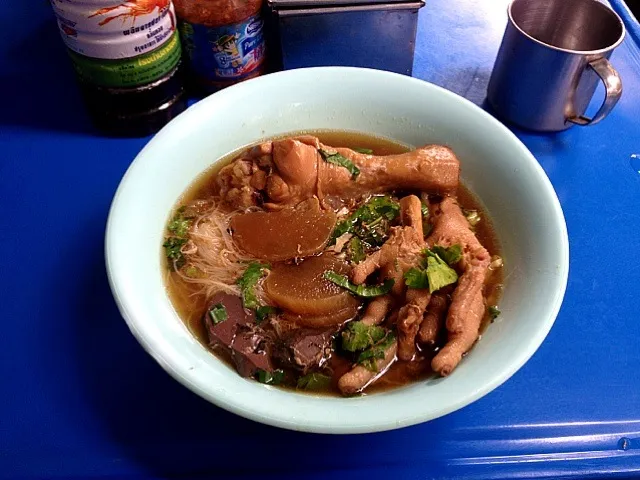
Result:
[280,418]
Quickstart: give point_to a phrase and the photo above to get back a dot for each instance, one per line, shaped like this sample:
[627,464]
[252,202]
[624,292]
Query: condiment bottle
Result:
[223,41]
[127,57]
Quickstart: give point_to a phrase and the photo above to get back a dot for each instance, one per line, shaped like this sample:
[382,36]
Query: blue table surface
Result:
[80,398]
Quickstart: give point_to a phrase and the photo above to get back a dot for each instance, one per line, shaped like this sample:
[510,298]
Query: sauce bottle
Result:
[127,58]
[223,41]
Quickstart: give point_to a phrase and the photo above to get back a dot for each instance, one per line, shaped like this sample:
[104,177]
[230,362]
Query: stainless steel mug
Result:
[552,55]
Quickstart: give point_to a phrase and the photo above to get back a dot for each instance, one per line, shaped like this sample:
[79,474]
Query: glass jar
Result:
[223,41]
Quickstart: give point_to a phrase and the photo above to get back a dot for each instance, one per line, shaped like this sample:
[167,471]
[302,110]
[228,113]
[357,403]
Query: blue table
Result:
[80,399]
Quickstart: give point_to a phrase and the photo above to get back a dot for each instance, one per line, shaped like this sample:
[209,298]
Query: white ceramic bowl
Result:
[495,165]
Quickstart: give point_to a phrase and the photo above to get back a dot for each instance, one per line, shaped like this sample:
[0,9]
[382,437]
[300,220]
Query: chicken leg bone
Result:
[288,171]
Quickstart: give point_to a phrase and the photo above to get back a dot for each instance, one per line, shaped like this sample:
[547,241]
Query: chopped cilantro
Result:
[180,224]
[341,228]
[356,250]
[439,273]
[426,226]
[494,312]
[270,378]
[193,272]
[337,159]
[366,151]
[359,290]
[416,278]
[451,255]
[179,228]
[371,221]
[358,336]
[424,209]
[263,312]
[379,206]
[218,313]
[172,246]
[248,281]
[473,217]
[369,357]
[434,275]
[314,381]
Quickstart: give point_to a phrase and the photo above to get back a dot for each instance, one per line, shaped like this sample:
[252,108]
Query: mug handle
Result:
[613,86]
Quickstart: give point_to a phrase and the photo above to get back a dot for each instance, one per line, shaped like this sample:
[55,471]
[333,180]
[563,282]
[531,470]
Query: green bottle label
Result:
[129,72]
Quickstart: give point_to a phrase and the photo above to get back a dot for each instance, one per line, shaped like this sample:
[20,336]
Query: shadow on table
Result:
[470,83]
[168,430]
[41,91]
[555,138]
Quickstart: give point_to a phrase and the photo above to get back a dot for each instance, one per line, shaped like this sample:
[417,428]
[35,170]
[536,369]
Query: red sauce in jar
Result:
[223,41]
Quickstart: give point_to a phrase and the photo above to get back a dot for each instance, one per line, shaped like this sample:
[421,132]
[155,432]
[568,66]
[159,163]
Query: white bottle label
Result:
[110,29]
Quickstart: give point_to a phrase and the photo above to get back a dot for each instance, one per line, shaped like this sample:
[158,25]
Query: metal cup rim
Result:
[567,50]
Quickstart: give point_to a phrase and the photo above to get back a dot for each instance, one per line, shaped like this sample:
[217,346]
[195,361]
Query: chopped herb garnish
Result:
[366,151]
[473,217]
[248,281]
[424,209]
[218,313]
[179,227]
[378,206]
[263,312]
[434,275]
[341,228]
[356,250]
[270,378]
[193,272]
[426,226]
[337,159]
[366,291]
[451,255]
[371,221]
[180,224]
[439,273]
[314,381]
[359,336]
[494,312]
[369,357]
[416,278]
[172,246]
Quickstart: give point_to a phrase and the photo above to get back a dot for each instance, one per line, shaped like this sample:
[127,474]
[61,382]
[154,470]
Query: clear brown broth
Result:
[191,306]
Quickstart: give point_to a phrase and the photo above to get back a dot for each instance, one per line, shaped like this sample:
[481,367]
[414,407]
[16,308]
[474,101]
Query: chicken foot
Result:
[467,304]
[433,319]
